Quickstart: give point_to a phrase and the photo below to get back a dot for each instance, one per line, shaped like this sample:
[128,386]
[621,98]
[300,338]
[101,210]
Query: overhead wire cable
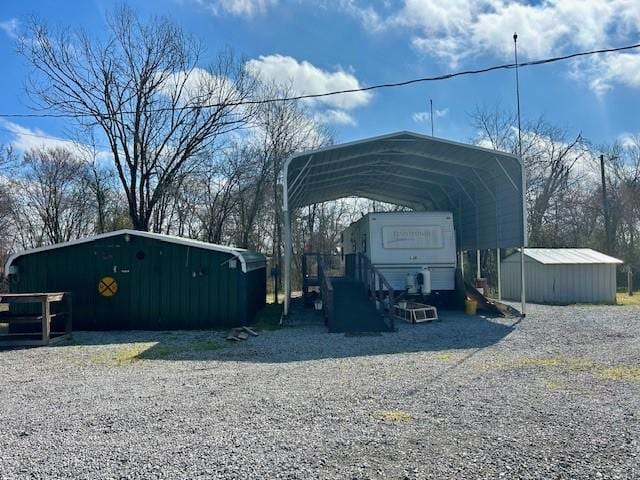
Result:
[311,96]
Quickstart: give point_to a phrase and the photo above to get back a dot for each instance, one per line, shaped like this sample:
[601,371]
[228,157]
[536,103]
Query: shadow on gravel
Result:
[304,339]
[305,342]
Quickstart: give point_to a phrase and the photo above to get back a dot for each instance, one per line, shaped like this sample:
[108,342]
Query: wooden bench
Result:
[44,335]
[415,312]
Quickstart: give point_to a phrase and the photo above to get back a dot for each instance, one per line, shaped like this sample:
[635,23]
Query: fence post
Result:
[46,320]
[630,281]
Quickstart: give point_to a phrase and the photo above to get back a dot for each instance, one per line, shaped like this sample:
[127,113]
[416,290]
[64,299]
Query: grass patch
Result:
[555,385]
[620,373]
[625,300]
[123,354]
[630,373]
[447,357]
[395,416]
[269,317]
[579,364]
[135,352]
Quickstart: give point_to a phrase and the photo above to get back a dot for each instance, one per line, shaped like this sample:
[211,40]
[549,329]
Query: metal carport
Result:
[483,188]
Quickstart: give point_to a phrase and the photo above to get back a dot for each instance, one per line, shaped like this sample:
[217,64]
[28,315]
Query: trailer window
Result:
[414,238]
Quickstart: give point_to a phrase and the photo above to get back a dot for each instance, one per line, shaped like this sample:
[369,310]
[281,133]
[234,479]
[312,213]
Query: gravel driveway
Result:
[556,395]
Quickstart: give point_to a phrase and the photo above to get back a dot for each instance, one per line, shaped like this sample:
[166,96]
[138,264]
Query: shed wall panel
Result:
[559,283]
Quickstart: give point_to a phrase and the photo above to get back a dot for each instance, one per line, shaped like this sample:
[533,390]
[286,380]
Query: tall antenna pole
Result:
[515,52]
[431,108]
[523,295]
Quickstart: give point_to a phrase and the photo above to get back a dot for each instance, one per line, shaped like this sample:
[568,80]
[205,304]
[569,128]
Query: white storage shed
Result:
[561,276]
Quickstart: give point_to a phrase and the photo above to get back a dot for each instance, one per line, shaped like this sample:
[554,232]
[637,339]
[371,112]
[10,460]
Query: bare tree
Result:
[284,128]
[143,90]
[7,165]
[623,190]
[549,173]
[219,187]
[549,156]
[251,194]
[51,204]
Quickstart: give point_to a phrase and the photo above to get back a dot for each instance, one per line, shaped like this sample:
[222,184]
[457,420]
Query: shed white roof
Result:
[569,256]
[248,260]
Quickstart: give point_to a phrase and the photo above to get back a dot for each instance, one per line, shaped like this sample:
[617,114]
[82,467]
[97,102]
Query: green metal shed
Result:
[139,280]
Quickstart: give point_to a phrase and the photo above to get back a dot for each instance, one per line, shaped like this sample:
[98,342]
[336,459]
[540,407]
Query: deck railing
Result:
[376,283]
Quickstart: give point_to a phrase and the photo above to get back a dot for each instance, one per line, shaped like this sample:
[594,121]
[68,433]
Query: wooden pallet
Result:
[241,333]
[415,312]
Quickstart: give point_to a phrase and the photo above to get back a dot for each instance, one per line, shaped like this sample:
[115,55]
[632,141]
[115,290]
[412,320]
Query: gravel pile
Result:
[556,395]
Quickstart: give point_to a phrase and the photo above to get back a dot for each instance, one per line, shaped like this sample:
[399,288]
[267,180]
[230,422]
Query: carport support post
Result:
[287,261]
[499,276]
[523,299]
[478,263]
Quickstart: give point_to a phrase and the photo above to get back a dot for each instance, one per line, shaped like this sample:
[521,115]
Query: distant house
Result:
[561,276]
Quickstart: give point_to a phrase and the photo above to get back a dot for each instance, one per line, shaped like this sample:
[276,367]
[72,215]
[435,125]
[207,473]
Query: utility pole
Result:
[431,109]
[605,208]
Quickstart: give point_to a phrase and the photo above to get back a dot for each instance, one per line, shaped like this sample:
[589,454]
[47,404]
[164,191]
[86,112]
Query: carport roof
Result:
[483,188]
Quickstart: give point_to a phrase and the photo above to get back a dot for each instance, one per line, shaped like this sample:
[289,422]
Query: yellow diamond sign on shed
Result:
[107,286]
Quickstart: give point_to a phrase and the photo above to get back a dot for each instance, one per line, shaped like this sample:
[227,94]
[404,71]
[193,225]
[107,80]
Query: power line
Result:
[310,96]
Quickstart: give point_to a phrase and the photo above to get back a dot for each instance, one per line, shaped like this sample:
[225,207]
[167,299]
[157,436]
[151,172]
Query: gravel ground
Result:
[556,395]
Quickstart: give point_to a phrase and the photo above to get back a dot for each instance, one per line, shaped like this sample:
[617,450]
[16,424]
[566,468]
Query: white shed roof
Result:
[569,256]
[248,260]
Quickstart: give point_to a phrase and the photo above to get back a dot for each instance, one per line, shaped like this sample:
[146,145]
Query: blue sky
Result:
[332,44]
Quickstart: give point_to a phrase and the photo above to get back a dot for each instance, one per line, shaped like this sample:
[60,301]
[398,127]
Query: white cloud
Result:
[335,117]
[368,16]
[455,30]
[601,74]
[240,8]
[200,87]
[26,138]
[306,78]
[629,140]
[10,27]
[425,117]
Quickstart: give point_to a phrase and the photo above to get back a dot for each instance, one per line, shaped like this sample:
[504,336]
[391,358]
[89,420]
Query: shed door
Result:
[130,297]
[111,286]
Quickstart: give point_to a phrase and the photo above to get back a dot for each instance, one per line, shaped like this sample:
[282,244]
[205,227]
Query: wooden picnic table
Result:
[46,300]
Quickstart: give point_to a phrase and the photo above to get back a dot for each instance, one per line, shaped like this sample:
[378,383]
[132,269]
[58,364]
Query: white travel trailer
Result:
[404,244]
